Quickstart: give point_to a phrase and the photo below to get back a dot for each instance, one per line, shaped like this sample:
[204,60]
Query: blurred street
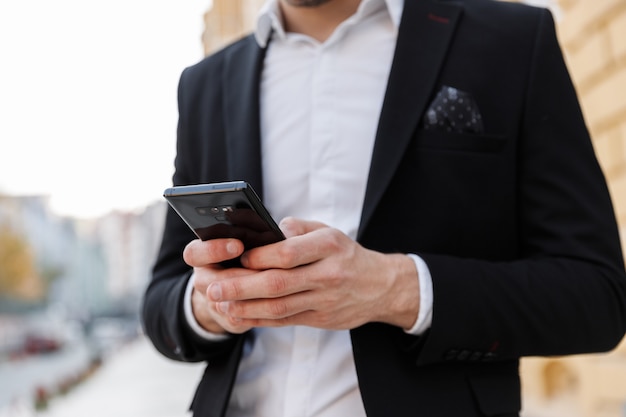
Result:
[133,381]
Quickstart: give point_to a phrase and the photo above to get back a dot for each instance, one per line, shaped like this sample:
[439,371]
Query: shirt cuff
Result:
[191,319]
[425,315]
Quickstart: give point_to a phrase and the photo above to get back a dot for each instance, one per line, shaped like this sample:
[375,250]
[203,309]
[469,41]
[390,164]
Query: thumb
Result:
[292,226]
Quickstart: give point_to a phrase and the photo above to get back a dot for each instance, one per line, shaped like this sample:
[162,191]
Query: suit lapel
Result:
[242,73]
[425,31]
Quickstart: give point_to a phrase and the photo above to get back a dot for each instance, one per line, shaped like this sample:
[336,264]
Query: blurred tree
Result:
[18,272]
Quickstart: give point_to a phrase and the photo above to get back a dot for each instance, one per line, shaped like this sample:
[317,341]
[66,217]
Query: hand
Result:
[205,258]
[317,277]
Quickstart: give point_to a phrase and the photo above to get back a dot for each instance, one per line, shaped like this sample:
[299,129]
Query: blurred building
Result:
[228,20]
[93,267]
[593,36]
[69,265]
[130,241]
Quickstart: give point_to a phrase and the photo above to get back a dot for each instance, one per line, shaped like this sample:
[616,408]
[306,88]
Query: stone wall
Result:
[227,21]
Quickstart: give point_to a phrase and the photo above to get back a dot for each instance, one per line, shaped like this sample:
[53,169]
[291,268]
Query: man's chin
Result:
[306,3]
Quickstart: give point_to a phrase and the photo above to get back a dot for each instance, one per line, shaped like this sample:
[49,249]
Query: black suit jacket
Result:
[515,224]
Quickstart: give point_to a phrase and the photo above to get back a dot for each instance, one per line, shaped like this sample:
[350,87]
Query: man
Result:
[444,213]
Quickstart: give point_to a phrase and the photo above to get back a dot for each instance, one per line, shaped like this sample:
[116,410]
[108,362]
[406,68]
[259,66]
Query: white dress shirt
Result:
[320,105]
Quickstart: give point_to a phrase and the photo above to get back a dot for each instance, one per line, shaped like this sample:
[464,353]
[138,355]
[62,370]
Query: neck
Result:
[318,22]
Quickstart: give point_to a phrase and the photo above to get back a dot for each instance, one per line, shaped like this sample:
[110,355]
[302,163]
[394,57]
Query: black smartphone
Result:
[225,210]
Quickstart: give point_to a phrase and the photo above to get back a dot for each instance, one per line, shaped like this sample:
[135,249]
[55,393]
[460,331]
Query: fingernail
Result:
[287,227]
[215,291]
[223,307]
[231,247]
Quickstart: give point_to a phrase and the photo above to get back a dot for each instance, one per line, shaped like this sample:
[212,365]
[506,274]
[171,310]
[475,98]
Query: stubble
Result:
[306,3]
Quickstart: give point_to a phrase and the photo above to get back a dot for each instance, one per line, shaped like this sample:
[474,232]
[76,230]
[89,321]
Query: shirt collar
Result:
[269,17]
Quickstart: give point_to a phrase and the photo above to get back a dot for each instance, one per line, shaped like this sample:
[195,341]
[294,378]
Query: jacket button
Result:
[451,354]
[464,355]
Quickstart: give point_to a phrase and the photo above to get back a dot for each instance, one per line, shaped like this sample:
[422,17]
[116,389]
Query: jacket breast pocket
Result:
[465,186]
[462,142]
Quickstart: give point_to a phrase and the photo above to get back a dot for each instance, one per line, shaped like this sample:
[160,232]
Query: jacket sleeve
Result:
[163,311]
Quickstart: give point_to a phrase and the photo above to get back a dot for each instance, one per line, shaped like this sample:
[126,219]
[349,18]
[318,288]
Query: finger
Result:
[204,276]
[259,285]
[310,318]
[265,309]
[285,254]
[316,244]
[200,253]
[292,226]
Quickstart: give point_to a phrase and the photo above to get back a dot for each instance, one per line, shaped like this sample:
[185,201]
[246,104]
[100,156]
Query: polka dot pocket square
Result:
[453,110]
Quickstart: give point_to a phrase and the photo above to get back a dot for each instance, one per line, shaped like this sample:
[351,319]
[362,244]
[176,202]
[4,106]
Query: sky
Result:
[88,99]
